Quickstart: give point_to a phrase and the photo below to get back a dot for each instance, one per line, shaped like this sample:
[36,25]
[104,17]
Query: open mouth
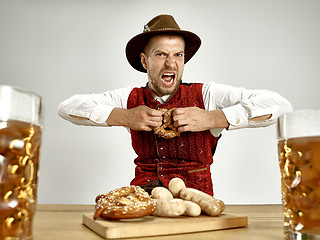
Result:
[168,79]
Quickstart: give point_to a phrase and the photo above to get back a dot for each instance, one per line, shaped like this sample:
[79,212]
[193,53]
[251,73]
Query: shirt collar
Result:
[162,99]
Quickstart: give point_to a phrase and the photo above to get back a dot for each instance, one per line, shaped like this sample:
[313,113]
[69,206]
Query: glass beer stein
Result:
[299,160]
[20,136]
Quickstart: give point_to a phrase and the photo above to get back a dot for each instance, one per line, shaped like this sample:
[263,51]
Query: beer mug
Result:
[299,160]
[20,136]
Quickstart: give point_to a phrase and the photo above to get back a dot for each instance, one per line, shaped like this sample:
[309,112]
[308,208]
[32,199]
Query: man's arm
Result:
[228,107]
[196,119]
[93,109]
[141,118]
[245,108]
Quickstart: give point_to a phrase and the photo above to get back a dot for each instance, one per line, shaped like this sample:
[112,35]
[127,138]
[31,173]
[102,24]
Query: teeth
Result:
[171,75]
[170,81]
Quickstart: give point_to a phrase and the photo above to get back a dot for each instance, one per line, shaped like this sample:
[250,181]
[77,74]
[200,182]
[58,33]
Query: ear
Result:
[143,60]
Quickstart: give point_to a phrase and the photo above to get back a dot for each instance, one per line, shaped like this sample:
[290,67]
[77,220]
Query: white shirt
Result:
[239,105]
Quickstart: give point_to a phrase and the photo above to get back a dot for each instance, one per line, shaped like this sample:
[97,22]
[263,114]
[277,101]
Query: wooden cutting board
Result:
[155,226]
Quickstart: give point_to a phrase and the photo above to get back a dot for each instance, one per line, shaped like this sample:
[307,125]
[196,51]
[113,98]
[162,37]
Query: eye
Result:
[180,54]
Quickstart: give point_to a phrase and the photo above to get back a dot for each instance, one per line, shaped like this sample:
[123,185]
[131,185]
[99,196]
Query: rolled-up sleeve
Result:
[239,105]
[93,109]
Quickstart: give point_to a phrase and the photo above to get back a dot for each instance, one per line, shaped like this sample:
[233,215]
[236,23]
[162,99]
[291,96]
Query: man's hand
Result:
[141,118]
[195,119]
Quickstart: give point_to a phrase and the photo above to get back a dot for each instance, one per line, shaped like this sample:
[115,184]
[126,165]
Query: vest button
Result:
[148,180]
[164,157]
[161,148]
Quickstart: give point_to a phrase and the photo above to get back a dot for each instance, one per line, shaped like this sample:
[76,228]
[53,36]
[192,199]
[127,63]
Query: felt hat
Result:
[161,24]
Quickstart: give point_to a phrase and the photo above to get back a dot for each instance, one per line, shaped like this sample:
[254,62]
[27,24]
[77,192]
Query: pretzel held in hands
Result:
[167,130]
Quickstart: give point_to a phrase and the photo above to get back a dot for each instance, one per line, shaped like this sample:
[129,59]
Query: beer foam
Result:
[303,123]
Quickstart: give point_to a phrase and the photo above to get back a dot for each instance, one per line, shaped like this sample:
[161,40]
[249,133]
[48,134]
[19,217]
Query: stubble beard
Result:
[159,88]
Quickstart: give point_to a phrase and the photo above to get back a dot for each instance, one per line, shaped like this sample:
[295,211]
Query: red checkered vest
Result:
[188,157]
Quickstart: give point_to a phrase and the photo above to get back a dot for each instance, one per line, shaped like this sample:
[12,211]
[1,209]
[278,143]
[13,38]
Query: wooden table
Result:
[61,222]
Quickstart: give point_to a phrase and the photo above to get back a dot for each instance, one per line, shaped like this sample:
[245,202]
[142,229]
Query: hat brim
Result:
[137,44]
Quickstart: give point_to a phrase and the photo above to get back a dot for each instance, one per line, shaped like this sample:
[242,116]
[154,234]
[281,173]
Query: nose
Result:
[170,62]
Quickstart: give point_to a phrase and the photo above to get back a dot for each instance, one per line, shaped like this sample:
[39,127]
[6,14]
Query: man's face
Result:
[163,59]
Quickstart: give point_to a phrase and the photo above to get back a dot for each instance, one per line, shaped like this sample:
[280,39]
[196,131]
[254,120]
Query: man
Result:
[202,110]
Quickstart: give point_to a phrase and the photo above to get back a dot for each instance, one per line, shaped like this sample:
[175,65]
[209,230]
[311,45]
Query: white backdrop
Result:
[58,48]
